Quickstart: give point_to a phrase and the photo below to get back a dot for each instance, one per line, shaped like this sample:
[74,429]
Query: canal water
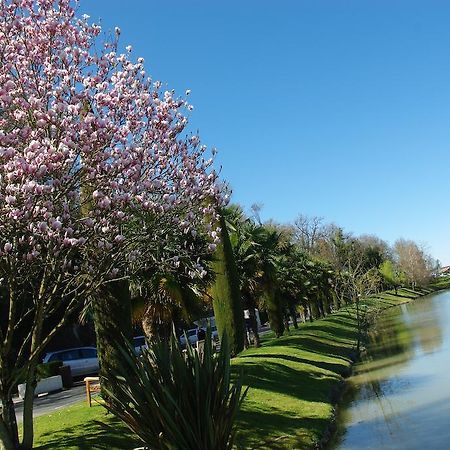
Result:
[399,396]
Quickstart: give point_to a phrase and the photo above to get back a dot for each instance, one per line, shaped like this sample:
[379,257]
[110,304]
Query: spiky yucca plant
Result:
[177,400]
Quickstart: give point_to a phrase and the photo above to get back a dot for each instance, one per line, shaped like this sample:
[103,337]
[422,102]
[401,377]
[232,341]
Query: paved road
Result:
[48,403]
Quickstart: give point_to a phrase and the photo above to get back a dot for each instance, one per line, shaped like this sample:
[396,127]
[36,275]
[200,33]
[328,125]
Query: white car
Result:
[139,344]
[191,335]
[81,360]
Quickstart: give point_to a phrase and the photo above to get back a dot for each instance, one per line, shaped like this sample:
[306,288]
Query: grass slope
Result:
[294,381]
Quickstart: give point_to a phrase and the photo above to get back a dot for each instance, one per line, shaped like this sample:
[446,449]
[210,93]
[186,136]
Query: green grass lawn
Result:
[291,383]
[441,282]
[294,381]
[81,427]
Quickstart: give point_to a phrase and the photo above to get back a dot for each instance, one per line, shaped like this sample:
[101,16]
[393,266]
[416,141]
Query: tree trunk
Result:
[9,436]
[328,303]
[254,325]
[337,301]
[275,311]
[148,326]
[320,306]
[246,340]
[293,312]
[286,321]
[28,401]
[305,310]
[6,442]
[36,340]
[250,304]
[314,312]
[153,329]
[358,320]
[113,326]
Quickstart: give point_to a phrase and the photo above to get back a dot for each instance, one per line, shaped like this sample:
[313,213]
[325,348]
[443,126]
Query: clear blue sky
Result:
[335,108]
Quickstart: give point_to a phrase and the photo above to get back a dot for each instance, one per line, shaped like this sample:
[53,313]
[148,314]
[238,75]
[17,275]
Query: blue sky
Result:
[335,108]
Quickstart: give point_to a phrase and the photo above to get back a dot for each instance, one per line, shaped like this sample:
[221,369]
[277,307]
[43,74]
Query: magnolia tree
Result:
[88,144]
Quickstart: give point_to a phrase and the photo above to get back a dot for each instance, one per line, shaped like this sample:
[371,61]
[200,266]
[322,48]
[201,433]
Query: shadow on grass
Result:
[338,368]
[398,295]
[91,435]
[291,379]
[333,336]
[310,342]
[278,377]
[328,330]
[342,319]
[387,301]
[274,430]
[414,293]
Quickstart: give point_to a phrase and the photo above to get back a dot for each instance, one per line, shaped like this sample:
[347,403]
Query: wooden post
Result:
[92,385]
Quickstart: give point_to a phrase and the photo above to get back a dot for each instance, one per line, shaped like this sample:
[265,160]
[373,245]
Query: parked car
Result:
[191,335]
[139,344]
[81,360]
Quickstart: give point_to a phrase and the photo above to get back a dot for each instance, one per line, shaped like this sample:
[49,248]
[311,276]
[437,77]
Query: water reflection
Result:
[401,390]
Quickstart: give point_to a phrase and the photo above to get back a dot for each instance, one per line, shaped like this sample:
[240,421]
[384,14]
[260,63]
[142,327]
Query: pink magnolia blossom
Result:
[87,140]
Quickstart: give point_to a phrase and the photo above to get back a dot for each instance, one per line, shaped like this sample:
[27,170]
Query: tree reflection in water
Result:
[400,375]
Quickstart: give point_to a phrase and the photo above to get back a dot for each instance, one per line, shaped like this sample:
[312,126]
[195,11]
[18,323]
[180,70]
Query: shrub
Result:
[177,400]
[46,370]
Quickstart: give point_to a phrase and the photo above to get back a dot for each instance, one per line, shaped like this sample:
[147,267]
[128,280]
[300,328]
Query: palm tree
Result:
[166,294]
[163,299]
[245,248]
[269,246]
[292,281]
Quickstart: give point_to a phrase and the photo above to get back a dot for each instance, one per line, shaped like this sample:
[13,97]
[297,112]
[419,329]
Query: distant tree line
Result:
[310,268]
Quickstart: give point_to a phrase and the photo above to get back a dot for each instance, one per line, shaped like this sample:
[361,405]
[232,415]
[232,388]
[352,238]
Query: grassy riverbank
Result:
[294,382]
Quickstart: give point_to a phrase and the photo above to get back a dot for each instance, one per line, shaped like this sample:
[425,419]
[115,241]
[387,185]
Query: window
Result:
[55,357]
[88,353]
[68,355]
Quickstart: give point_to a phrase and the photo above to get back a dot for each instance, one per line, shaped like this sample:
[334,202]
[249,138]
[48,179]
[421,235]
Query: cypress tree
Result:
[112,319]
[226,294]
